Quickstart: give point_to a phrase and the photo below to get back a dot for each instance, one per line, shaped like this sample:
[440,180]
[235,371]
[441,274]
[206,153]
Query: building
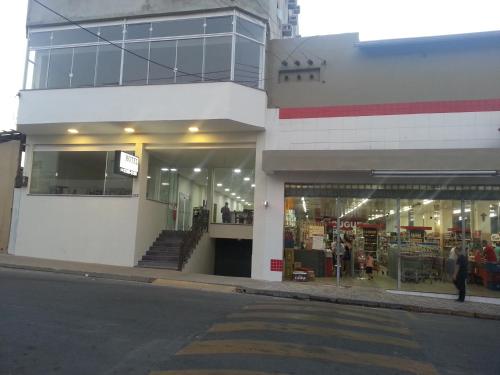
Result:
[394,142]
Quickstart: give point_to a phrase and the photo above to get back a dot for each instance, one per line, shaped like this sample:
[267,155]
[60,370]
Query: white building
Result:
[292,133]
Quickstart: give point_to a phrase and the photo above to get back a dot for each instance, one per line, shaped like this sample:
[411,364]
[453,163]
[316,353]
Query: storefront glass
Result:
[411,236]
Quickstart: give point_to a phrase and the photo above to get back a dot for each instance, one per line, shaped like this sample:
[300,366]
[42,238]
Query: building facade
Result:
[219,102]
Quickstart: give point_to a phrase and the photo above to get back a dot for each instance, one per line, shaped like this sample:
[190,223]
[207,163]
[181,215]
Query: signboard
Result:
[126,164]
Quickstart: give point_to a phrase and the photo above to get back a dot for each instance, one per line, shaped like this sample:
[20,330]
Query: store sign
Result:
[126,164]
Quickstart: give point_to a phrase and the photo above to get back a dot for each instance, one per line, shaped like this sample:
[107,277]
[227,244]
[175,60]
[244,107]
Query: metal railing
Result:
[193,237]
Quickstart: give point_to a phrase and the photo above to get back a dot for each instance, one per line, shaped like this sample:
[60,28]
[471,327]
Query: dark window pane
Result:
[108,66]
[116,184]
[135,68]
[247,62]
[74,36]
[250,29]
[41,39]
[189,60]
[59,68]
[84,62]
[162,53]
[218,58]
[178,27]
[219,25]
[138,31]
[39,62]
[66,172]
[111,33]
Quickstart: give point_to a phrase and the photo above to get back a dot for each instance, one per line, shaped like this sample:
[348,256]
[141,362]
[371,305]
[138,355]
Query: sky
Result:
[373,19]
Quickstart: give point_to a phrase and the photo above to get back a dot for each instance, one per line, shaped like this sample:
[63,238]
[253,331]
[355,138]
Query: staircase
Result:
[165,251]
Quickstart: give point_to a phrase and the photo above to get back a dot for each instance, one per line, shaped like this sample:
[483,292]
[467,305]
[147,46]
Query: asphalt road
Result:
[56,324]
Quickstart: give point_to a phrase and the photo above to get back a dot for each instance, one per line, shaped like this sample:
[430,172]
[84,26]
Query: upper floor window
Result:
[228,47]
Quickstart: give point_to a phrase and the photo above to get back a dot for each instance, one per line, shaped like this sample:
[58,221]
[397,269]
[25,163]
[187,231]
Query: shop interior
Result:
[372,236]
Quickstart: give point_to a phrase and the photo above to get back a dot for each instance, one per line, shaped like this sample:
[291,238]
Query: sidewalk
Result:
[327,293]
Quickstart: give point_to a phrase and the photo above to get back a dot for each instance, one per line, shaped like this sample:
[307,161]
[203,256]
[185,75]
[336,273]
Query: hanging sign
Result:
[126,164]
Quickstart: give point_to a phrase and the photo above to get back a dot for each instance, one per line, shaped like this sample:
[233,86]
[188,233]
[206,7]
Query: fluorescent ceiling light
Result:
[246,179]
[219,185]
[129,130]
[238,197]
[149,177]
[228,190]
[434,173]
[165,184]
[73,131]
[173,169]
[233,194]
[237,171]
[197,170]
[194,129]
[165,169]
[253,185]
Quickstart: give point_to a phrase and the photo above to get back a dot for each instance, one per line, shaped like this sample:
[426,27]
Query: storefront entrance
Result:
[392,236]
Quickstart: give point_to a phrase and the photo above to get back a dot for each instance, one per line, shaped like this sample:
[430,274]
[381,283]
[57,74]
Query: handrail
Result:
[193,237]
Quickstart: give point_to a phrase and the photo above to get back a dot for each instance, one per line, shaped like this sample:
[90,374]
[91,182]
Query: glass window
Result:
[60,68]
[162,181]
[75,36]
[219,25]
[135,69]
[108,66]
[37,69]
[77,173]
[250,29]
[111,33]
[138,31]
[193,26]
[41,39]
[84,62]
[189,60]
[247,62]
[163,54]
[218,58]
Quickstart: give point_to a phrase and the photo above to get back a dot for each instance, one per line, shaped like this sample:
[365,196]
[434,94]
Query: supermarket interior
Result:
[378,236]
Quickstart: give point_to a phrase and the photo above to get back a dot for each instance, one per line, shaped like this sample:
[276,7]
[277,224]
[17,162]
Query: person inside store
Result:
[489,253]
[369,266]
[460,274]
[226,213]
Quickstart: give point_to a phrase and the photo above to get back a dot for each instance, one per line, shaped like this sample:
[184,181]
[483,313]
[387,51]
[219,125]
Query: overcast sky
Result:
[373,19]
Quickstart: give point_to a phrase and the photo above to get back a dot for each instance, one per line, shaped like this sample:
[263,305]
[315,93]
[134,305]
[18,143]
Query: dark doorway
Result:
[233,257]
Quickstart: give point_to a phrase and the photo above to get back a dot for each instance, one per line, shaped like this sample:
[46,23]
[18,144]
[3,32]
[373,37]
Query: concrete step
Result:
[161,258]
[156,264]
[169,252]
[167,243]
[165,248]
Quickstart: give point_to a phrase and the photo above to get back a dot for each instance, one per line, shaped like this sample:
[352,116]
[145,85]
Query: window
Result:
[218,58]
[77,173]
[135,68]
[216,25]
[60,68]
[108,66]
[188,26]
[250,29]
[161,71]
[247,64]
[189,60]
[111,33]
[84,63]
[138,31]
[74,36]
[37,69]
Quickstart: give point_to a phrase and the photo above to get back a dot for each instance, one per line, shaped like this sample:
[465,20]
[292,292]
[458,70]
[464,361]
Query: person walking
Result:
[460,274]
[226,214]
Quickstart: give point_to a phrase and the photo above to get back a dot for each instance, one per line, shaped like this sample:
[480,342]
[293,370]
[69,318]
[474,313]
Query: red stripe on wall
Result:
[391,109]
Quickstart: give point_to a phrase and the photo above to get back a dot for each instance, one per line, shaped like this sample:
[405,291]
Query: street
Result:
[59,324]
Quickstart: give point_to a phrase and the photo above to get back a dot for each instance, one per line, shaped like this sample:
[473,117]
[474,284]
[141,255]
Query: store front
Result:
[392,236]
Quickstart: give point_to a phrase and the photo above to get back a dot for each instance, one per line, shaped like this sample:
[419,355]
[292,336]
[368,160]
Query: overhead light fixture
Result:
[73,131]
[219,185]
[197,170]
[165,184]
[173,169]
[149,177]
[237,171]
[129,130]
[194,129]
[435,173]
[227,190]
[233,194]
[238,197]
[253,185]
[246,179]
[165,169]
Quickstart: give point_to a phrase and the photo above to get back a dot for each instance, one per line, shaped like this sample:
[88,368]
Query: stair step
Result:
[159,251]
[167,243]
[162,265]
[161,258]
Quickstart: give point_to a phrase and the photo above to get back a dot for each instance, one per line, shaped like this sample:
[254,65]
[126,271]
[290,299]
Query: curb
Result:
[365,303]
[95,275]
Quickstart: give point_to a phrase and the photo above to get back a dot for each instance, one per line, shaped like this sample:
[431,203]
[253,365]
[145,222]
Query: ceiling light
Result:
[129,130]
[233,194]
[237,171]
[73,131]
[246,179]
[197,170]
[194,129]
[165,169]
[165,184]
[149,177]
[219,185]
[253,185]
[228,190]
[173,169]
[238,197]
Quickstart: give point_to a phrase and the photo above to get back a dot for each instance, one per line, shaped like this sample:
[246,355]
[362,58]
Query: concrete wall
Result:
[203,258]
[91,10]
[449,70]
[9,160]
[231,231]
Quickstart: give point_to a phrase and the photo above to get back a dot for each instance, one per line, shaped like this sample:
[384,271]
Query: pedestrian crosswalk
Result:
[288,337]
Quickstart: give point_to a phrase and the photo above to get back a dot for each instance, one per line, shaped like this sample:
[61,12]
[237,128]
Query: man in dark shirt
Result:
[460,273]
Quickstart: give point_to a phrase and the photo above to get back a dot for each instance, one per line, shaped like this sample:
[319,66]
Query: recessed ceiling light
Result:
[243,200]
[129,130]
[253,185]
[233,194]
[197,170]
[165,184]
[219,185]
[173,169]
[237,170]
[238,197]
[194,129]
[149,177]
[246,179]
[164,169]
[227,189]
[73,131]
